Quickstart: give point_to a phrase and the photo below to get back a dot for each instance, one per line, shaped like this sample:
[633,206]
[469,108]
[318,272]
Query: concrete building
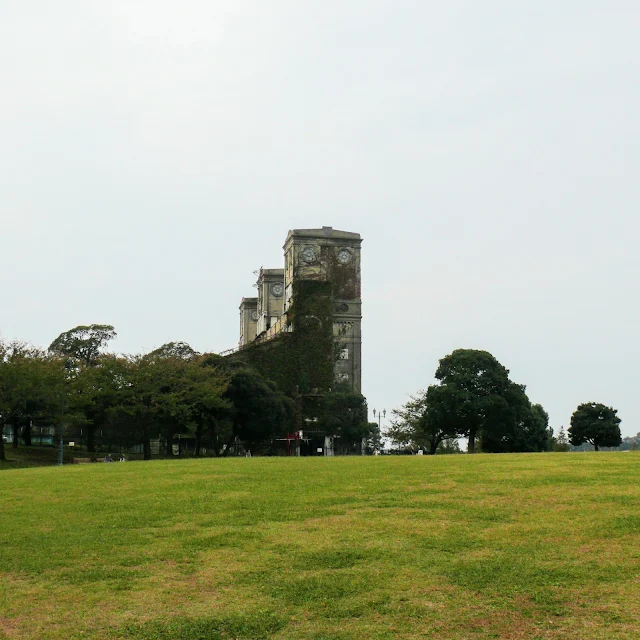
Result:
[323,255]
[248,320]
[270,298]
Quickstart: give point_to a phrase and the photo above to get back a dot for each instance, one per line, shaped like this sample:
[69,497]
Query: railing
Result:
[272,332]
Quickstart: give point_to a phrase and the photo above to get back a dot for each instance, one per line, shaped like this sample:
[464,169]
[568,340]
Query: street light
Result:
[61,446]
[381,414]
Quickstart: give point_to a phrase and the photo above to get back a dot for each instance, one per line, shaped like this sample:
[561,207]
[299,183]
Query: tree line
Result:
[115,402]
[118,401]
[474,398]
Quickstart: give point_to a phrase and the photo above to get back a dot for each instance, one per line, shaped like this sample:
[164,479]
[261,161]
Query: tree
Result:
[449,446]
[477,384]
[191,395]
[539,432]
[516,425]
[179,350]
[561,442]
[427,419]
[135,407]
[83,343]
[258,409]
[343,414]
[161,395]
[95,390]
[474,398]
[32,388]
[133,399]
[596,424]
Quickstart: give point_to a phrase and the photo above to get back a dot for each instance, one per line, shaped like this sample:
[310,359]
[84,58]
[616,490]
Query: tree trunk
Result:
[472,442]
[198,440]
[595,446]
[91,440]
[16,435]
[433,446]
[26,433]
[169,447]
[2,456]
[146,443]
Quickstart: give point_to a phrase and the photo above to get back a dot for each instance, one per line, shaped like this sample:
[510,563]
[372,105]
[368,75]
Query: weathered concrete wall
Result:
[332,256]
[248,320]
[270,298]
[331,259]
[300,361]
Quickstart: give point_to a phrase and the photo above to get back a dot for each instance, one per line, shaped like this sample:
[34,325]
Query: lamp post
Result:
[381,414]
[61,446]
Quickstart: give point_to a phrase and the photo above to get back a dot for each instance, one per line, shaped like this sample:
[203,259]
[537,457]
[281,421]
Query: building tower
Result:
[331,256]
[321,268]
[248,320]
[270,298]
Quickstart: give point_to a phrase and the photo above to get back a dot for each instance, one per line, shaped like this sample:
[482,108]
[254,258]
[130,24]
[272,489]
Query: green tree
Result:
[561,442]
[135,408]
[133,399]
[83,343]
[258,409]
[539,434]
[477,383]
[449,446]
[343,414]
[95,390]
[180,350]
[596,424]
[82,346]
[167,367]
[32,388]
[428,419]
[516,425]
[474,398]
[191,398]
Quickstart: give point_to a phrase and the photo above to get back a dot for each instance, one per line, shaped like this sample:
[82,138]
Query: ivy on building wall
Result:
[300,362]
[343,277]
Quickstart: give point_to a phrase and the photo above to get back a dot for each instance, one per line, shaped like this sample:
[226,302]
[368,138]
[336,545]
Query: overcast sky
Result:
[154,154]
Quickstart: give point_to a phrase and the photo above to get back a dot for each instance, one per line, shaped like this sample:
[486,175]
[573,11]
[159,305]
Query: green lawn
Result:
[32,457]
[511,546]
[45,456]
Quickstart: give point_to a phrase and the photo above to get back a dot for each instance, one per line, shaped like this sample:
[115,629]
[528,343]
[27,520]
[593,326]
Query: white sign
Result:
[72,444]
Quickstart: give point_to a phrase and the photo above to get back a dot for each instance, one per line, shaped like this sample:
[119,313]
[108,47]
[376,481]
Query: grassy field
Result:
[46,456]
[35,456]
[512,546]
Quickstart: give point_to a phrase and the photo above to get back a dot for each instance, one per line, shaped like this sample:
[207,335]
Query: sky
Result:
[154,154]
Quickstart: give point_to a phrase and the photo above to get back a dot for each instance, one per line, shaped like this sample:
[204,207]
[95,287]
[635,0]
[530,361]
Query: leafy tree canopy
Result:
[259,409]
[427,419]
[474,397]
[476,384]
[32,387]
[83,343]
[179,350]
[596,424]
[344,414]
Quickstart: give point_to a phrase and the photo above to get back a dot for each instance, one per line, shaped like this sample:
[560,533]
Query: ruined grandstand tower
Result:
[307,316]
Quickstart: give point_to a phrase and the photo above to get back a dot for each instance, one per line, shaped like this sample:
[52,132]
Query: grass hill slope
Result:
[510,546]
